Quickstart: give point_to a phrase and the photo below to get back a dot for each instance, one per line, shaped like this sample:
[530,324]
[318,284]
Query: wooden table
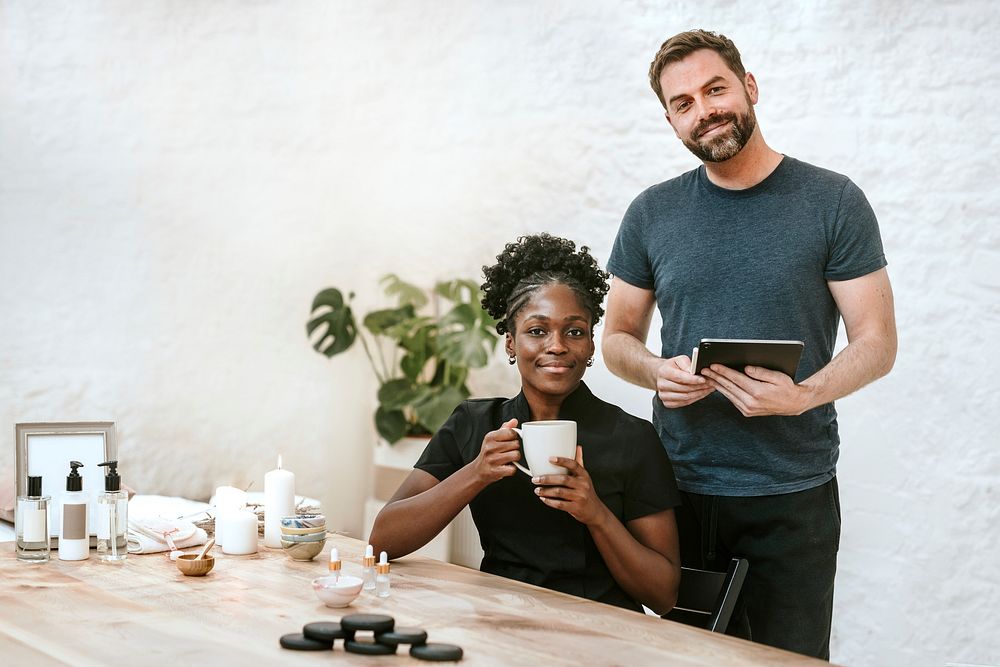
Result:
[144,612]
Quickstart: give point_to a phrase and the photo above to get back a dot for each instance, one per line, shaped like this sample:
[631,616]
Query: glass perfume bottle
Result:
[32,524]
[112,516]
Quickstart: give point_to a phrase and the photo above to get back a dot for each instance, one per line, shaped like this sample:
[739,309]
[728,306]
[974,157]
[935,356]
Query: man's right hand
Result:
[677,386]
[500,449]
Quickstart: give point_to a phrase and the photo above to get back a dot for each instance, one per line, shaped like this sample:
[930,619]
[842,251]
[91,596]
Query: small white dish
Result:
[336,591]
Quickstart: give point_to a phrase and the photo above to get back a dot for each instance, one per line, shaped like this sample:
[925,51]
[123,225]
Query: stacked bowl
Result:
[303,536]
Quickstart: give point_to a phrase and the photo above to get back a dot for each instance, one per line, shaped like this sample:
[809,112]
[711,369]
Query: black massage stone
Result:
[436,652]
[367,622]
[402,636]
[325,631]
[298,642]
[368,648]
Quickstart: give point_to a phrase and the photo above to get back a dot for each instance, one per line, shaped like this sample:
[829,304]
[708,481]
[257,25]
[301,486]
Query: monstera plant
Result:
[421,360]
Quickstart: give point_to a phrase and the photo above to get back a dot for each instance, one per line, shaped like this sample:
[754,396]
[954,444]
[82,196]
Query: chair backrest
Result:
[707,599]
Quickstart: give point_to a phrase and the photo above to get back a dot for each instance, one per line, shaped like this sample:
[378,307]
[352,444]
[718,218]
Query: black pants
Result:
[791,541]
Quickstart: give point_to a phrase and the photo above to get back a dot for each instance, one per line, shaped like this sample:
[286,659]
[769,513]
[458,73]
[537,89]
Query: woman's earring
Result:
[512,360]
[590,362]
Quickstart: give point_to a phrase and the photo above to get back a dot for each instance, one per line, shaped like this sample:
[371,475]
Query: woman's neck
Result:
[544,406]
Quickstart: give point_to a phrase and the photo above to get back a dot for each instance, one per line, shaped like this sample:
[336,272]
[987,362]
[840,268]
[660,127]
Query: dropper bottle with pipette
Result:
[382,576]
[368,569]
[335,564]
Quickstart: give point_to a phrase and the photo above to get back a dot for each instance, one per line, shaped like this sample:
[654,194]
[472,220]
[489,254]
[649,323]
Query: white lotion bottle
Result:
[74,536]
[112,517]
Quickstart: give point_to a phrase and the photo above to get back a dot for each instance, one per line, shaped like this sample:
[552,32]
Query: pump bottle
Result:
[112,516]
[32,523]
[74,536]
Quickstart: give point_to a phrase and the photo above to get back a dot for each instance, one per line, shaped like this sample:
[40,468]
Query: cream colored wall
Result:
[178,179]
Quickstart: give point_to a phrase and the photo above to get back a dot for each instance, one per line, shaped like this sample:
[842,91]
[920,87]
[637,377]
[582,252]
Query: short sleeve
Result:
[443,455]
[651,485]
[855,242]
[629,259]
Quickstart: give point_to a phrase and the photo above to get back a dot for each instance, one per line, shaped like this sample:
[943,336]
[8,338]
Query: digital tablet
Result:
[777,355]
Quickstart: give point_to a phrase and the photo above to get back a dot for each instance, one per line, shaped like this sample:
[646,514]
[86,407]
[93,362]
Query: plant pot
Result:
[401,455]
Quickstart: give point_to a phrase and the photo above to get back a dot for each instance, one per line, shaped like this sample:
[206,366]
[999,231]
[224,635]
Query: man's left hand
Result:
[760,391]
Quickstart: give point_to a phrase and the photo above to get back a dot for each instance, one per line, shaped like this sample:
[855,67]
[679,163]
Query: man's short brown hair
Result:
[682,45]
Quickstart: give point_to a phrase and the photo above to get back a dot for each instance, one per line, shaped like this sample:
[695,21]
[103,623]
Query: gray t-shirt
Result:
[748,263]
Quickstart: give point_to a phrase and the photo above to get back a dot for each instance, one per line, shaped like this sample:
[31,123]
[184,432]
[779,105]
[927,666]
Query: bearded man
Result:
[752,244]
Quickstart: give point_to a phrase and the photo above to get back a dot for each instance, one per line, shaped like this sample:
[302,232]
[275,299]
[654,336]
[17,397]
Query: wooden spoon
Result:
[205,549]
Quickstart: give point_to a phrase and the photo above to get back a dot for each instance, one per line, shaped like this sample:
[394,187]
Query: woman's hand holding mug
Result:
[500,449]
[573,492]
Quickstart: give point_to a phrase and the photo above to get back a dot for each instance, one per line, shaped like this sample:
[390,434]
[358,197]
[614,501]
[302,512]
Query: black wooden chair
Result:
[706,599]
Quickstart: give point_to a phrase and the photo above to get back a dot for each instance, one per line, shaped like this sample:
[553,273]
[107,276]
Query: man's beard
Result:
[725,146]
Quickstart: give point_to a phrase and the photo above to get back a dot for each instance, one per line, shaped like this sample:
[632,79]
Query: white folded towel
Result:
[153,535]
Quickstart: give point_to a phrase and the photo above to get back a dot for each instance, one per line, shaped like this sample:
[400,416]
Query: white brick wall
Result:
[178,179]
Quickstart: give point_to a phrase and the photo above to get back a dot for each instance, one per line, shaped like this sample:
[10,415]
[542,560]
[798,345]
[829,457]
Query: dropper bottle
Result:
[382,576]
[335,564]
[368,569]
[112,516]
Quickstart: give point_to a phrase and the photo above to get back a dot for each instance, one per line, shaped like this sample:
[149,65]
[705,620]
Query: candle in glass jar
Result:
[279,501]
[240,531]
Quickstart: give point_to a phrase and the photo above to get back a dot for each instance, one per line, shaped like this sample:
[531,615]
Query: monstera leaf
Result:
[434,409]
[463,340]
[422,361]
[341,329]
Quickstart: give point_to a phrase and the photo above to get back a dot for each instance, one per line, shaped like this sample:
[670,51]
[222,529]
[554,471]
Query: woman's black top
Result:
[523,538]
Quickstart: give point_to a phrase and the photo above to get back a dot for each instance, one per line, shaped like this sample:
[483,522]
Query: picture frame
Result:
[46,448]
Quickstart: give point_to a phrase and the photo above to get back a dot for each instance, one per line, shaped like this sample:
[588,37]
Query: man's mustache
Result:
[704,125]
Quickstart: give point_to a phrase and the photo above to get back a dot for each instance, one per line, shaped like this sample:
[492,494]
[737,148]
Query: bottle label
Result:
[34,525]
[74,522]
[104,521]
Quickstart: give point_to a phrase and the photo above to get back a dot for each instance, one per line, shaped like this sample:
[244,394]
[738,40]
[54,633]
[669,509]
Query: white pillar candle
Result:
[279,501]
[227,499]
[241,532]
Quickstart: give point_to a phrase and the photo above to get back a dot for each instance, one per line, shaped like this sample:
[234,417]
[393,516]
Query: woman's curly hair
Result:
[534,261]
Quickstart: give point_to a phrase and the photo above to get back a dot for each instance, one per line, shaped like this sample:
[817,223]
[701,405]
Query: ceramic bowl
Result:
[337,591]
[311,537]
[302,550]
[189,565]
[303,531]
[304,521]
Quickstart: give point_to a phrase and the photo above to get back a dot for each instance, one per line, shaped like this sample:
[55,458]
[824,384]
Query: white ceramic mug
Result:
[542,439]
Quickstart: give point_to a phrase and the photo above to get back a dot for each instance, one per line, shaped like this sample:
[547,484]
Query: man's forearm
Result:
[862,361]
[630,359]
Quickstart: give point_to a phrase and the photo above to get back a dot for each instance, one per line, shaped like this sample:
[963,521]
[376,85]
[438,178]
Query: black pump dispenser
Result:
[34,486]
[112,481]
[73,481]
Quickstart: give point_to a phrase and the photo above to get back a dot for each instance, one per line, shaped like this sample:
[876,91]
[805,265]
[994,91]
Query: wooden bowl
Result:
[190,565]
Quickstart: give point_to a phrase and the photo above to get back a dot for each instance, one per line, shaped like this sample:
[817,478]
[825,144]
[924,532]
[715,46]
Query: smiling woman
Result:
[604,530]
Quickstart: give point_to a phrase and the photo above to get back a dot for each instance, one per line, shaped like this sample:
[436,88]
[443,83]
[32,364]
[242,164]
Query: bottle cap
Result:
[334,560]
[369,559]
[35,486]
[382,568]
[73,481]
[112,481]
